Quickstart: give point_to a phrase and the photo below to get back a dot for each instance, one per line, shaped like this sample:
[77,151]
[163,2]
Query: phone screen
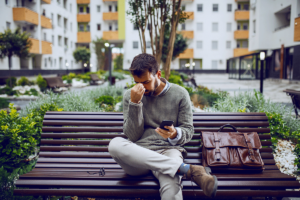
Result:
[166,123]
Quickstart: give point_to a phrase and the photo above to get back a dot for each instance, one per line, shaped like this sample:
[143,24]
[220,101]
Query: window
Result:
[148,44]
[200,26]
[55,62]
[116,8]
[228,44]
[183,7]
[245,43]
[50,61]
[135,27]
[24,28]
[52,39]
[116,26]
[238,27]
[110,27]
[80,9]
[215,27]
[199,44]
[214,45]
[59,40]
[59,20]
[246,6]
[245,26]
[7,25]
[87,9]
[215,7]
[254,26]
[98,8]
[58,1]
[199,7]
[239,6]
[45,62]
[65,4]
[214,64]
[183,26]
[7,2]
[229,7]
[99,27]
[71,44]
[81,27]
[88,28]
[228,27]
[70,7]
[109,8]
[135,44]
[72,64]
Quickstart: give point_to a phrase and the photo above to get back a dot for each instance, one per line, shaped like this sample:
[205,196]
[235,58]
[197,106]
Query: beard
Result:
[151,92]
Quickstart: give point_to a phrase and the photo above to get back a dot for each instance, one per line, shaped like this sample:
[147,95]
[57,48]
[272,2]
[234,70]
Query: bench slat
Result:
[154,184]
[107,155]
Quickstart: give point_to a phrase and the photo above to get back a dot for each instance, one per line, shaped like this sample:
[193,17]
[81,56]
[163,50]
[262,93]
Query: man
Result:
[149,148]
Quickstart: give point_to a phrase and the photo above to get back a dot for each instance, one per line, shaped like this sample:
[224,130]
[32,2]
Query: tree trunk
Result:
[82,67]
[9,67]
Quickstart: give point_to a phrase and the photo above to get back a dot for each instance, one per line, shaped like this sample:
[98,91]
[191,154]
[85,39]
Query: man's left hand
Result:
[170,133]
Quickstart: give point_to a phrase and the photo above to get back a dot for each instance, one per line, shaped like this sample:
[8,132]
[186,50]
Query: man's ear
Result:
[158,73]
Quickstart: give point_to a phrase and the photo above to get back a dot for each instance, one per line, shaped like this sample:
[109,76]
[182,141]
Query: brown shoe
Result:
[207,182]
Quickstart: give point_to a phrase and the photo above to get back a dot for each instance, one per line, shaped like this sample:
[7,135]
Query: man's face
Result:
[149,81]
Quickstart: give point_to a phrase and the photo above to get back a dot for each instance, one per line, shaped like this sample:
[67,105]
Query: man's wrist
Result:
[174,135]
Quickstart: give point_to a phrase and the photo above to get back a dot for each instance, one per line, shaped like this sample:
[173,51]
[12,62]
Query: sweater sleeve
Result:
[185,120]
[133,126]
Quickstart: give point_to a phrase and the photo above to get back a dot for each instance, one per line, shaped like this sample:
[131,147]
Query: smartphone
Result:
[166,123]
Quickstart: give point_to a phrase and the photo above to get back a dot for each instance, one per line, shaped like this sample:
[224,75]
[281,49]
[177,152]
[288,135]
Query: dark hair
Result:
[142,63]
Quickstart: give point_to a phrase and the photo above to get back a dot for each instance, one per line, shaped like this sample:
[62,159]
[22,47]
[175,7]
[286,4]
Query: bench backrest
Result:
[94,77]
[54,82]
[87,134]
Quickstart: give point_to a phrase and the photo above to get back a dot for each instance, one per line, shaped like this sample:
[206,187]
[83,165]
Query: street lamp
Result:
[109,61]
[85,65]
[262,58]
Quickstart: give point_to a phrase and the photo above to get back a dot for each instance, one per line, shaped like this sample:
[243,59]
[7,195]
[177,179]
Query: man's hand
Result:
[171,133]
[137,93]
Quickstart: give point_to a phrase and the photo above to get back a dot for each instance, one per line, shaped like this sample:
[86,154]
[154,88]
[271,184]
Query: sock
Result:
[183,169]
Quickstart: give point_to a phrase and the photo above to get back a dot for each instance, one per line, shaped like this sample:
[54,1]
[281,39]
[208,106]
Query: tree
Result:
[14,43]
[100,52]
[154,15]
[118,62]
[83,55]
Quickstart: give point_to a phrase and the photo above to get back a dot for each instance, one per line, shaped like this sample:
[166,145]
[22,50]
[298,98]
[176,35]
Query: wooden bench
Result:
[74,148]
[295,95]
[55,83]
[95,79]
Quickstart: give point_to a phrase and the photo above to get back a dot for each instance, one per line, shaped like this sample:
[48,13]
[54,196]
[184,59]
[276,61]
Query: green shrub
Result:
[3,103]
[23,81]
[32,91]
[7,90]
[13,82]
[108,100]
[118,75]
[42,83]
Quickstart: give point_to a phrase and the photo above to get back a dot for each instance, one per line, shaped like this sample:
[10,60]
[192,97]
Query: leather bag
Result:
[224,151]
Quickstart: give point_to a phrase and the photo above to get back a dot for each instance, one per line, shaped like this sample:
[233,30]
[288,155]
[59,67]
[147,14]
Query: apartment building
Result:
[210,32]
[52,28]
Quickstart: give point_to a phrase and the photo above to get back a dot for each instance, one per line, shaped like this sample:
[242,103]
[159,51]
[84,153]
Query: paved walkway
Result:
[272,89]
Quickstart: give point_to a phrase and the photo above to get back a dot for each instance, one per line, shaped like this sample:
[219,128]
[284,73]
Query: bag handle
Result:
[227,125]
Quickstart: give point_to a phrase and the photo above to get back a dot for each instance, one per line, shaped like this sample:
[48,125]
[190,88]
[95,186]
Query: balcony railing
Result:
[46,22]
[83,37]
[188,53]
[110,16]
[297,29]
[110,35]
[187,34]
[241,52]
[241,15]
[46,1]
[35,48]
[109,0]
[190,14]
[241,34]
[83,1]
[26,15]
[46,47]
[83,17]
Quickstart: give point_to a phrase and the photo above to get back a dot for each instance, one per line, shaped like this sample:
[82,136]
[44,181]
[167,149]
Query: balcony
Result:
[83,17]
[46,22]
[83,1]
[241,52]
[46,1]
[190,14]
[297,29]
[35,48]
[188,53]
[46,47]
[83,37]
[110,35]
[241,34]
[241,15]
[110,16]
[187,34]
[25,15]
[109,0]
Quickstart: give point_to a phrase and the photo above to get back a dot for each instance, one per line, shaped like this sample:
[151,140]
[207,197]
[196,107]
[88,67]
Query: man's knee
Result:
[171,188]
[114,145]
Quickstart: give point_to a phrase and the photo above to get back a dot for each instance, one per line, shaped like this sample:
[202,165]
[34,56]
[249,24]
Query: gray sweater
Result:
[141,120]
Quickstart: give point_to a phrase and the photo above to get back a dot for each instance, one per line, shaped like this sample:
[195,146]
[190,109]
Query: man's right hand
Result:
[137,93]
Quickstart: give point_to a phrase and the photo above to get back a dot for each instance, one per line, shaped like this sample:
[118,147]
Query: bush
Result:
[13,82]
[3,103]
[118,75]
[23,81]
[42,83]
[7,90]
[108,100]
[32,91]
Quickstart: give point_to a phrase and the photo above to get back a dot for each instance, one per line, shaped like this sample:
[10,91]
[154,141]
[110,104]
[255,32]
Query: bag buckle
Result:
[251,154]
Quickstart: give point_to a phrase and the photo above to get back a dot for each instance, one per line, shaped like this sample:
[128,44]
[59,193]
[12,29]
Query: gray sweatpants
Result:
[136,161]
